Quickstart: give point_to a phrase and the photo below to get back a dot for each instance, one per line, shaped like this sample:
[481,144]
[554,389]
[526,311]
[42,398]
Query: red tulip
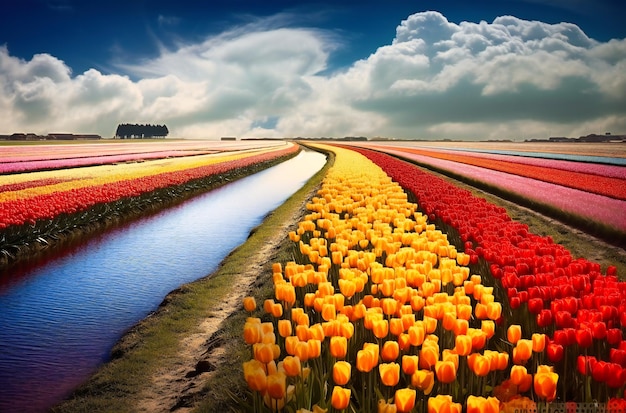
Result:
[544,318]
[555,352]
[584,338]
[535,305]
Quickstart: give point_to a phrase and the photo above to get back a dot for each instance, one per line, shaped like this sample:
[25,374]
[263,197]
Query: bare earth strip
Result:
[176,385]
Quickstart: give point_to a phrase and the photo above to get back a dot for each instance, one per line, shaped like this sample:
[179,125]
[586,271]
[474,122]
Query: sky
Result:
[403,69]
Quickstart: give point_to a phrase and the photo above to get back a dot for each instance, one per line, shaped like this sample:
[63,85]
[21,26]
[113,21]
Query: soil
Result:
[178,386]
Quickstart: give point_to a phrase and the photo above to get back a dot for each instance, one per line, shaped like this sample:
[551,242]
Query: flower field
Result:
[38,206]
[589,195]
[430,300]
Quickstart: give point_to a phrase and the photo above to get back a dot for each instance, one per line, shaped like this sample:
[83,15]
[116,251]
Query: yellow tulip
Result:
[405,399]
[389,373]
[340,398]
[341,372]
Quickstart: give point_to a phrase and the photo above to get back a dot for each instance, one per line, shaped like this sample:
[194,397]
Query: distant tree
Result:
[137,131]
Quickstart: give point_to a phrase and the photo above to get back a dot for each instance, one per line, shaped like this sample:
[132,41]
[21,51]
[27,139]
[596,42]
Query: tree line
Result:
[136,131]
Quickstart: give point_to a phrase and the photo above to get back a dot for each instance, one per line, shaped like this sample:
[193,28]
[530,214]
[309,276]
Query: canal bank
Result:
[190,350]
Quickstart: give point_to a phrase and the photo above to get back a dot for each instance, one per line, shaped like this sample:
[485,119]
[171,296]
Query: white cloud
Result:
[510,78]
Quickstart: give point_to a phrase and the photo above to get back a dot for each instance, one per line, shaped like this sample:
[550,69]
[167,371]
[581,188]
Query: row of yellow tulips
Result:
[379,312]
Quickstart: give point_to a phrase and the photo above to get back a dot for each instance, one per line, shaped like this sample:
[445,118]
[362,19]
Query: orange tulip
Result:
[290,345]
[404,341]
[302,350]
[346,329]
[367,358]
[450,355]
[502,361]
[277,385]
[410,364]
[488,327]
[429,355]
[396,326]
[449,321]
[479,338]
[263,352]
[390,351]
[340,398]
[389,373]
[479,364]
[254,374]
[316,331]
[284,328]
[341,372]
[338,347]
[514,333]
[267,305]
[476,404]
[407,320]
[405,400]
[380,328]
[430,324]
[539,342]
[389,306]
[522,351]
[545,383]
[417,303]
[277,310]
[292,366]
[443,403]
[252,332]
[463,345]
[517,374]
[347,287]
[494,310]
[315,348]
[329,312]
[461,327]
[446,371]
[249,304]
[417,334]
[302,332]
[423,380]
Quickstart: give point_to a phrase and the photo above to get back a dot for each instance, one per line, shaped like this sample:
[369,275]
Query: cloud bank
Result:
[508,79]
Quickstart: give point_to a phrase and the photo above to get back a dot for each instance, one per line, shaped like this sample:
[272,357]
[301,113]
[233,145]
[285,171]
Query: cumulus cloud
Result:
[510,78]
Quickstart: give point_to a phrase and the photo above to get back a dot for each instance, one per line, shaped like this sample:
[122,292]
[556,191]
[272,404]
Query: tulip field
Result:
[50,190]
[409,294]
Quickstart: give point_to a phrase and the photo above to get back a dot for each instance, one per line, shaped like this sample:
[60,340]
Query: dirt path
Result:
[178,385]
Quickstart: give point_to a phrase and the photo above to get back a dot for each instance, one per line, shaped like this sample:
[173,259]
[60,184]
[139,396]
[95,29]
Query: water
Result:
[59,320]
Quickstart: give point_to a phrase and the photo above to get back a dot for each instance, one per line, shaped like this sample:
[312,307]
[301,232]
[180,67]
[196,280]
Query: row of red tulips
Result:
[547,290]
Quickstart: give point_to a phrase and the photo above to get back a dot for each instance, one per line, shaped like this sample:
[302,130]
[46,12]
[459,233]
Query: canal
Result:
[59,319]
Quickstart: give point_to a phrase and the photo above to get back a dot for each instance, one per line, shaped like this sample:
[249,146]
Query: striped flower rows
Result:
[378,311]
[593,179]
[544,288]
[39,206]
[20,158]
[79,189]
[585,208]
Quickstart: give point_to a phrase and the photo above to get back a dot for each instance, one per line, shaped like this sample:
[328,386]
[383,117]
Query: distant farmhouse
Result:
[49,137]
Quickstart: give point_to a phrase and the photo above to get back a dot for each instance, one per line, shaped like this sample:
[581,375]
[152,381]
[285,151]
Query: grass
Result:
[117,385]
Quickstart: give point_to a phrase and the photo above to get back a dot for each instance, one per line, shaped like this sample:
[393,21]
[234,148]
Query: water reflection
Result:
[59,320]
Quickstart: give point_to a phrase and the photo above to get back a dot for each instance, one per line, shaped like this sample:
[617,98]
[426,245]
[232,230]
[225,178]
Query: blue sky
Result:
[490,69]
